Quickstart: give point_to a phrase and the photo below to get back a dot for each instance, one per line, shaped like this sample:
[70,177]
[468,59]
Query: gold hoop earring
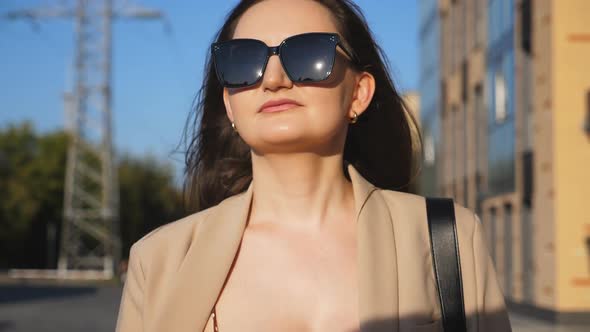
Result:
[355,117]
[233,125]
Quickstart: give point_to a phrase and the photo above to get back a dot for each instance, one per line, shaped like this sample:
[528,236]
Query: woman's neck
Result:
[305,190]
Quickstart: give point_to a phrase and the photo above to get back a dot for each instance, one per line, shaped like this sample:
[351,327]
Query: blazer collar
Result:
[216,240]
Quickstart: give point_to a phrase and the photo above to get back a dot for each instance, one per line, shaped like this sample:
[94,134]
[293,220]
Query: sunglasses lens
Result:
[239,63]
[308,58]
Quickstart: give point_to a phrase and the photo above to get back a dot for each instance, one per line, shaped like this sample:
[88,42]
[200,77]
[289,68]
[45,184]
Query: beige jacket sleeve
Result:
[491,309]
[131,309]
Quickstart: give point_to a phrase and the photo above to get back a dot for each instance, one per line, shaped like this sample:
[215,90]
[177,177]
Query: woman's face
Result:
[319,122]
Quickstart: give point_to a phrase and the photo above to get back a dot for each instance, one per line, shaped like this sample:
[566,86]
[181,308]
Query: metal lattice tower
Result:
[90,230]
[90,239]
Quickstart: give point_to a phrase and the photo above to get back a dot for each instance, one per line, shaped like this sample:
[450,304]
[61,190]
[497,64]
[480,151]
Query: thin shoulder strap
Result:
[445,258]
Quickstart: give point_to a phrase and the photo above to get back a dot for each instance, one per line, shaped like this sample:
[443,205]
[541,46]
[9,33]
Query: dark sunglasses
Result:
[306,58]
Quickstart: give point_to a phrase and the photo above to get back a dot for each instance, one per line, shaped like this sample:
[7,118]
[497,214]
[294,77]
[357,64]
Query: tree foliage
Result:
[32,173]
[148,198]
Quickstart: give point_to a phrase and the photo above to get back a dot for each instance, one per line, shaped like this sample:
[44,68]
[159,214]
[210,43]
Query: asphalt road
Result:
[27,308]
[58,308]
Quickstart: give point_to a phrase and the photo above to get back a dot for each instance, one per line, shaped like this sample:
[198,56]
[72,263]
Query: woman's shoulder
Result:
[177,235]
[169,236]
[413,206]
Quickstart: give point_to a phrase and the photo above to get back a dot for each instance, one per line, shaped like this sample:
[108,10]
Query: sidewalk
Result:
[524,324]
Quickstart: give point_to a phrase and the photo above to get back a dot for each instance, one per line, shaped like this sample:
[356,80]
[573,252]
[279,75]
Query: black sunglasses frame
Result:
[276,50]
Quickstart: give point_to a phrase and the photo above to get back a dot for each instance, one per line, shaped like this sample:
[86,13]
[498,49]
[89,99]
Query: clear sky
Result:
[155,74]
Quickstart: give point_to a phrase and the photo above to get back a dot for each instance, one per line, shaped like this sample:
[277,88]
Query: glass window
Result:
[429,152]
[500,98]
[501,135]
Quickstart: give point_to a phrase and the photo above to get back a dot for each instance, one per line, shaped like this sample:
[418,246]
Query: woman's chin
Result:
[293,144]
[280,142]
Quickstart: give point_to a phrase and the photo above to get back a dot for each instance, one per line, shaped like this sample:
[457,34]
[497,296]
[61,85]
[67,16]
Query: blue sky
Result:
[155,74]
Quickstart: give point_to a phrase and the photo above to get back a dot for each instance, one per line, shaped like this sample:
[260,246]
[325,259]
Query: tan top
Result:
[177,272]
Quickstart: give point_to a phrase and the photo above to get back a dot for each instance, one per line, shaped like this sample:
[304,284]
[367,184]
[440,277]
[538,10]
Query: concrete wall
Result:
[570,66]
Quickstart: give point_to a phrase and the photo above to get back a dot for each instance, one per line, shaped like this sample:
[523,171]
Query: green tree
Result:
[148,198]
[32,172]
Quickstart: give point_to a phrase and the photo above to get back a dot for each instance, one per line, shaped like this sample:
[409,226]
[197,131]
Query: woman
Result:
[297,228]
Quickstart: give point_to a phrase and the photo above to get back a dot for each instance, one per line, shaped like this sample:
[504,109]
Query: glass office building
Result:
[501,94]
[506,106]
[429,93]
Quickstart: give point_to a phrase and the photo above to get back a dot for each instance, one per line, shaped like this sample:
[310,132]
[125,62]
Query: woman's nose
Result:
[275,76]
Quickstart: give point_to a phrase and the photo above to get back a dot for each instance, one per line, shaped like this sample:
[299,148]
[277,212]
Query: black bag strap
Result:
[445,258]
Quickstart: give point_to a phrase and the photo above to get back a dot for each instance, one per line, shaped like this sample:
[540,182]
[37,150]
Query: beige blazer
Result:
[177,271]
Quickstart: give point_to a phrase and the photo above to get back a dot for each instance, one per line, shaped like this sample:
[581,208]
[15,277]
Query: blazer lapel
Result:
[377,259]
[201,276]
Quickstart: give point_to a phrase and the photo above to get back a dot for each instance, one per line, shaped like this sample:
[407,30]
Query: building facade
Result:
[514,96]
[429,91]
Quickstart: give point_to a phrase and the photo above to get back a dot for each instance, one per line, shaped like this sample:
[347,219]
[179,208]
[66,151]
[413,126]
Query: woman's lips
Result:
[278,105]
[278,108]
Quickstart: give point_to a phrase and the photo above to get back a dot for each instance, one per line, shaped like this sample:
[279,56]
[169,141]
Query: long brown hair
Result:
[381,145]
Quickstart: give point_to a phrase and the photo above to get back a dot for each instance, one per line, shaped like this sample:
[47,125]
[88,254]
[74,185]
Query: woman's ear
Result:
[363,93]
[228,110]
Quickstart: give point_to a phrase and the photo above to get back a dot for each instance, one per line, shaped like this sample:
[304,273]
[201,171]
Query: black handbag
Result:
[447,266]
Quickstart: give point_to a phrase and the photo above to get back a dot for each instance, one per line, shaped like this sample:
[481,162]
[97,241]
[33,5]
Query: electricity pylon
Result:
[90,239]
